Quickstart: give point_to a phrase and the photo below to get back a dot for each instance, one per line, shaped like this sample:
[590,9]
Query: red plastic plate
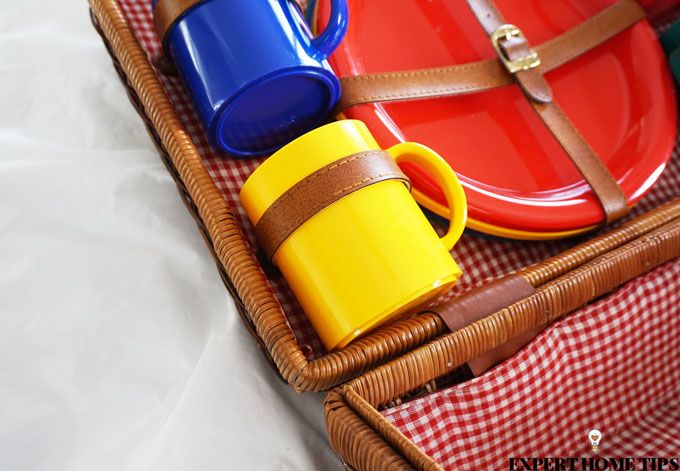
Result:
[619,95]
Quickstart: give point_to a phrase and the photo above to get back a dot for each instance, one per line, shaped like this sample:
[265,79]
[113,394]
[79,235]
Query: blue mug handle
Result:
[330,39]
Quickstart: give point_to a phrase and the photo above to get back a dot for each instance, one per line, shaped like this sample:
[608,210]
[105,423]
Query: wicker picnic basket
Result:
[209,183]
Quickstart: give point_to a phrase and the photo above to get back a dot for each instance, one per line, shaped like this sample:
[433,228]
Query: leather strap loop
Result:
[167,12]
[321,189]
[481,302]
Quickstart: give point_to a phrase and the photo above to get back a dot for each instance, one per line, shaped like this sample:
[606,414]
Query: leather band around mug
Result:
[321,189]
[486,75]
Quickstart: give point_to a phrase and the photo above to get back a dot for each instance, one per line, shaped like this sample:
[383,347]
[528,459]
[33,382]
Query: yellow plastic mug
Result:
[370,256]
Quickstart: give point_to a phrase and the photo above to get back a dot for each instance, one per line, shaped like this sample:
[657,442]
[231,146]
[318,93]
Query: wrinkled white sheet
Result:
[120,349]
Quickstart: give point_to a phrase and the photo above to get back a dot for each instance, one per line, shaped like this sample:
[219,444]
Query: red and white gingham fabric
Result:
[480,257]
[613,366]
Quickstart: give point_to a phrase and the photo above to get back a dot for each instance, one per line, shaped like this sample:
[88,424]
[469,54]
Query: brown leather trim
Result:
[489,74]
[425,83]
[167,12]
[480,365]
[321,189]
[614,203]
[532,82]
[482,302]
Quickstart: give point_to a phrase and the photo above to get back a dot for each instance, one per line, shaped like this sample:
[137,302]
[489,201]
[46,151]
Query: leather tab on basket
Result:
[321,189]
[482,302]
[167,12]
[480,365]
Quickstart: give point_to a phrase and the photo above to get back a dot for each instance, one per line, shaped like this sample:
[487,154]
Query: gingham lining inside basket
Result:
[480,258]
[613,366]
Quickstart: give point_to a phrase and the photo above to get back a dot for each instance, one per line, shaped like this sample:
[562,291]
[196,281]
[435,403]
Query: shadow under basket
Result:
[209,183]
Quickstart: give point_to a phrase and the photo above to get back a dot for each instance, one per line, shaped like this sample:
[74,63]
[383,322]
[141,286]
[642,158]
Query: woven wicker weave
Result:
[244,277]
[368,441]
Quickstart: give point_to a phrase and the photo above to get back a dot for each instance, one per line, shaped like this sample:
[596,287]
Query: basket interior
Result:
[613,366]
[481,257]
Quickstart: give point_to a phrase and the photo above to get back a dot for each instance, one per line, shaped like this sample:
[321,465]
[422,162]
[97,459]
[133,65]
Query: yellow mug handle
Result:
[447,180]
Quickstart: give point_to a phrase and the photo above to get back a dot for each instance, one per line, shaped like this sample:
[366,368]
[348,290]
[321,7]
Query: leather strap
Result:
[480,365]
[479,76]
[482,302]
[537,90]
[489,74]
[321,189]
[167,12]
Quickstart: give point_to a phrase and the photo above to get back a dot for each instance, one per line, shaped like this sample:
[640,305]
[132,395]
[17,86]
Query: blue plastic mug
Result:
[258,77]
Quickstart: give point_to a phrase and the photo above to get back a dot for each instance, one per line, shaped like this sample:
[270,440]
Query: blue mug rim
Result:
[330,80]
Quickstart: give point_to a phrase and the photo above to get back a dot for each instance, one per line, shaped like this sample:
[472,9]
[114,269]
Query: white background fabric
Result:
[120,349]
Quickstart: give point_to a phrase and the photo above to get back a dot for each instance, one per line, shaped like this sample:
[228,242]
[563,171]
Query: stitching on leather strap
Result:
[434,93]
[422,72]
[321,189]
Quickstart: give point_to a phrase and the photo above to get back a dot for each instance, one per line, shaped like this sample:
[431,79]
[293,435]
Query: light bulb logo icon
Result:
[595,436]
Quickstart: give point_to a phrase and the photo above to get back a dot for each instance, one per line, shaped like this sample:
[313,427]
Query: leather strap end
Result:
[480,365]
[482,302]
[516,53]
[532,82]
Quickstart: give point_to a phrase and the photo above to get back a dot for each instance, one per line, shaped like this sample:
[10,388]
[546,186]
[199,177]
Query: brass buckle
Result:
[508,32]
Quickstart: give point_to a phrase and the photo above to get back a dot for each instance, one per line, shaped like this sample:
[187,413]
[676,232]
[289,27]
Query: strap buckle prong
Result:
[508,32]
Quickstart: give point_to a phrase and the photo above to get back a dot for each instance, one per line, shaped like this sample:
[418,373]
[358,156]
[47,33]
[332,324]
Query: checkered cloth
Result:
[613,366]
[481,258]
